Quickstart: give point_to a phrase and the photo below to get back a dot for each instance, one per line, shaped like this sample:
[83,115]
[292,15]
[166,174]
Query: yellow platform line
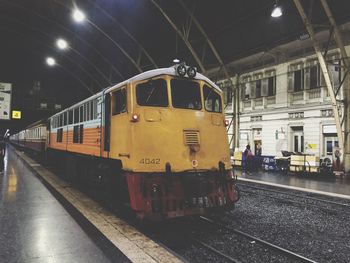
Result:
[295,188]
[132,243]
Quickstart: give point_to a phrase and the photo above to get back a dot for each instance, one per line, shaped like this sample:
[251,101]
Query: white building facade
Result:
[286,107]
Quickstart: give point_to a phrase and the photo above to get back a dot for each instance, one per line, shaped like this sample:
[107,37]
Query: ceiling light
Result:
[62,44]
[50,61]
[277,11]
[78,16]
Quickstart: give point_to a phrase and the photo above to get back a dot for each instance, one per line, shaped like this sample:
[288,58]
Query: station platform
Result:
[314,183]
[45,219]
[35,227]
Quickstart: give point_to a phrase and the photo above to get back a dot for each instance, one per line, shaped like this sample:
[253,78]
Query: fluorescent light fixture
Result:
[78,16]
[50,61]
[61,44]
[277,11]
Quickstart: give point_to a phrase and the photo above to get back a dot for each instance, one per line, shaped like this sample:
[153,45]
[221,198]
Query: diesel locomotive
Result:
[157,139]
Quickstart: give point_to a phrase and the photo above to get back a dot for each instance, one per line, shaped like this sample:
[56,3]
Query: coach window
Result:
[91,110]
[212,100]
[59,135]
[186,94]
[76,115]
[65,118]
[119,101]
[95,108]
[81,110]
[152,93]
[70,117]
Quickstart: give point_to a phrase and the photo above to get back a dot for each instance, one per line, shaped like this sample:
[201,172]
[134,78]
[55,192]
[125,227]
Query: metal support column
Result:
[346,85]
[235,102]
[325,72]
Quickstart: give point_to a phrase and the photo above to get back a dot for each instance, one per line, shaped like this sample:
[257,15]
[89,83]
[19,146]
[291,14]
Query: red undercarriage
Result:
[160,196]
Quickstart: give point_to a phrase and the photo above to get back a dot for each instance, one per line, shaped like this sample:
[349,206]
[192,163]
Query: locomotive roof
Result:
[145,75]
[161,71]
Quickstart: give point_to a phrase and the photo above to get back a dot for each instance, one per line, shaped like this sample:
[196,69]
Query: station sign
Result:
[16,114]
[5,101]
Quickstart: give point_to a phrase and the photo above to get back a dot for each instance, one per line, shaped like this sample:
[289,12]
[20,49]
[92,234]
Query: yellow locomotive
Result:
[160,136]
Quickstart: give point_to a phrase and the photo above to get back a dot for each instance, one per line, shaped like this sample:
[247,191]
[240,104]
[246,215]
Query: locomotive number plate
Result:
[150,161]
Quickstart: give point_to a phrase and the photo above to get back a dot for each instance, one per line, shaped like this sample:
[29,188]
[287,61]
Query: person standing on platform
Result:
[248,159]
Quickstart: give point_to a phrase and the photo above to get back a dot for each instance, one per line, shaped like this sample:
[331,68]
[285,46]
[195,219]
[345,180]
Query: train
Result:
[158,140]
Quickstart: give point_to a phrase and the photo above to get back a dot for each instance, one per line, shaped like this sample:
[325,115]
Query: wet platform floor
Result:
[34,226]
[314,182]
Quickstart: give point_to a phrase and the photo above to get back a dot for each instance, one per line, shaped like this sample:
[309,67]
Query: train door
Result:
[119,129]
[107,122]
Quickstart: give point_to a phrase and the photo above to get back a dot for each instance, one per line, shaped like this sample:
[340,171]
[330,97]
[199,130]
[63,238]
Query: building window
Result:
[246,91]
[271,86]
[314,77]
[298,80]
[258,88]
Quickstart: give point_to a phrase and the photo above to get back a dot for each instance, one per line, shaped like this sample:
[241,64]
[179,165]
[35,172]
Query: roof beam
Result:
[141,47]
[208,40]
[178,31]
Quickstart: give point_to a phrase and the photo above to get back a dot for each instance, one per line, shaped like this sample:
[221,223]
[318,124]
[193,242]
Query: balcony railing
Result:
[314,94]
[271,100]
[259,102]
[297,96]
[247,104]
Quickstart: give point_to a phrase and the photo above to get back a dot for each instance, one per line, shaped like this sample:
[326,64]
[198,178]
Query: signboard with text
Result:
[5,101]
[16,114]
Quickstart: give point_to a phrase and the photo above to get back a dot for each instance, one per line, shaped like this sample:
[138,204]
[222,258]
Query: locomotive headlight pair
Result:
[181,70]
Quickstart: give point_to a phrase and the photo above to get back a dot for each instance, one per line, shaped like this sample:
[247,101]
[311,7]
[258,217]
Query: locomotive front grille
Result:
[191,137]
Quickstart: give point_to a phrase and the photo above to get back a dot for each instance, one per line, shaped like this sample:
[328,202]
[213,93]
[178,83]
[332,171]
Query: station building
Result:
[285,106]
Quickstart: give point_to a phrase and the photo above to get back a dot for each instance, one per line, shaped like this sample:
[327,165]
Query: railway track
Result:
[281,250]
[295,195]
[339,204]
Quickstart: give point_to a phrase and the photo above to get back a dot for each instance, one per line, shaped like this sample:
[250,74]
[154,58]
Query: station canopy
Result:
[115,40]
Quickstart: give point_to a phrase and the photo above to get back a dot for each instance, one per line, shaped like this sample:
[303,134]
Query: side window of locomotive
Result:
[152,93]
[119,102]
[212,100]
[186,94]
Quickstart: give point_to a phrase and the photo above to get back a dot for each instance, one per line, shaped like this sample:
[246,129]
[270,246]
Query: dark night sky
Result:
[28,30]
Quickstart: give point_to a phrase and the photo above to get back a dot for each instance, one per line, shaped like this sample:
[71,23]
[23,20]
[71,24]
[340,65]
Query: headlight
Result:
[181,70]
[191,72]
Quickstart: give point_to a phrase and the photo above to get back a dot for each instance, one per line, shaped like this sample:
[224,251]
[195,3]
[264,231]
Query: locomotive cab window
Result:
[119,101]
[212,100]
[186,94]
[152,93]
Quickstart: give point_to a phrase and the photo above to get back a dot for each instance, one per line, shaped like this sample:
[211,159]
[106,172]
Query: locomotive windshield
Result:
[152,93]
[186,94]
[212,100]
